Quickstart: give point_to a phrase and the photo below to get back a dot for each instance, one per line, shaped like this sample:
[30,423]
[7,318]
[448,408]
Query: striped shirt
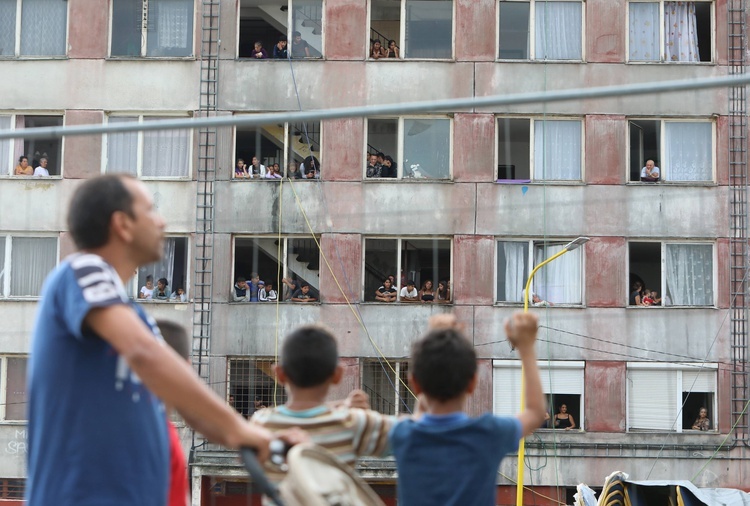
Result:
[348,433]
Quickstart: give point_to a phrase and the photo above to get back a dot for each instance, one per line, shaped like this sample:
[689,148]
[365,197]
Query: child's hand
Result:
[521,329]
[357,399]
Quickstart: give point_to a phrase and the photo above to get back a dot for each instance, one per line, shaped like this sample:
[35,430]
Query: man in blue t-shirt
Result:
[443,456]
[99,370]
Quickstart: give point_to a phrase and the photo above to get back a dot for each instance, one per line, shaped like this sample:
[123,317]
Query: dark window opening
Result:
[644,145]
[252,385]
[645,270]
[36,149]
[692,402]
[256,25]
[513,149]
[380,262]
[514,32]
[571,401]
[703,29]
[172,266]
[266,142]
[385,23]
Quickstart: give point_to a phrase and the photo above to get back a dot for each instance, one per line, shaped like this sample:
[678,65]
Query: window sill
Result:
[34,58]
[540,182]
[643,308]
[701,184]
[506,60]
[269,180]
[271,58]
[35,298]
[405,180]
[176,303]
[556,306]
[653,62]
[14,423]
[273,303]
[443,60]
[685,432]
[180,179]
[33,178]
[402,303]
[150,58]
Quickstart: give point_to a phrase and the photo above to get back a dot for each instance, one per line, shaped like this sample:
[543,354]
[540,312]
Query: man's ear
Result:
[280,374]
[472,384]
[338,375]
[121,226]
[414,385]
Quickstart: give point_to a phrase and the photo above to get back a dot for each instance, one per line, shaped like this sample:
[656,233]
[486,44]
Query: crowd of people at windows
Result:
[388,292]
[642,296]
[37,168]
[257,290]
[282,50]
[308,169]
[381,165]
[160,292]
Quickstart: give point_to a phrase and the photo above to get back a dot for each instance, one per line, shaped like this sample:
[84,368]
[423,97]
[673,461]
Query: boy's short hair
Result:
[309,356]
[443,363]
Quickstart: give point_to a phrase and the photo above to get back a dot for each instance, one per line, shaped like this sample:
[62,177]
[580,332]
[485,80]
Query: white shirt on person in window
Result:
[41,172]
[406,293]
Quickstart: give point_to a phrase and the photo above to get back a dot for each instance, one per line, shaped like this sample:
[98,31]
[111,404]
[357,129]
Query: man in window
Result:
[374,169]
[42,171]
[409,293]
[650,173]
[280,50]
[304,294]
[300,47]
[257,170]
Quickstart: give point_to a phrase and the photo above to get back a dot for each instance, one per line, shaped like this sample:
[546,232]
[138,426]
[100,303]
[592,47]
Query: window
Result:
[539,149]
[252,385]
[656,394]
[34,150]
[651,27]
[268,20]
[423,28]
[562,383]
[681,274]
[159,154]
[415,148]
[387,386]
[289,146]
[261,255]
[14,368]
[417,259]
[540,30]
[173,267]
[152,28]
[20,35]
[683,150]
[558,282]
[25,263]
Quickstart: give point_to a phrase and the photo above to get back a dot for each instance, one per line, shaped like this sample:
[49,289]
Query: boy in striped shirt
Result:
[308,366]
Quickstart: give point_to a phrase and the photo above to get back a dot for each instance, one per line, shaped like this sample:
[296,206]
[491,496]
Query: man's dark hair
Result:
[309,356]
[240,279]
[92,207]
[282,38]
[380,154]
[296,34]
[304,284]
[443,362]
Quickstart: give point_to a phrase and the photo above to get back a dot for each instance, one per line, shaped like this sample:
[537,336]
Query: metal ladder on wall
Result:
[206,178]
[738,239]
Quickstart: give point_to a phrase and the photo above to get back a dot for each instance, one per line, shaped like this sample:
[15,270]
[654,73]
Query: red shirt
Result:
[178,482]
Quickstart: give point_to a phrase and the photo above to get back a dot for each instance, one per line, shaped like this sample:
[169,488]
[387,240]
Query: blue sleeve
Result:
[509,433]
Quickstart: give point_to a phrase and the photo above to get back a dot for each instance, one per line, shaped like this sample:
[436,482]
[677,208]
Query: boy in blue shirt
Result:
[445,457]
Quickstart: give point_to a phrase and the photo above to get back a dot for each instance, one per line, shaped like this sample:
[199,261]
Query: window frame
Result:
[13,160]
[397,365]
[7,268]
[279,391]
[679,368]
[17,37]
[399,248]
[532,147]
[4,388]
[662,267]
[532,32]
[132,285]
[144,37]
[662,37]
[140,143]
[400,149]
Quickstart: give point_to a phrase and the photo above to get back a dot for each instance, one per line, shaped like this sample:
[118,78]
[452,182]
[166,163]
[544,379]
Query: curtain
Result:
[558,31]
[166,153]
[427,148]
[32,258]
[557,150]
[6,161]
[689,274]
[2,266]
[164,268]
[7,27]
[644,31]
[687,151]
[15,400]
[513,271]
[122,149]
[43,27]
[558,282]
[680,33]
[170,28]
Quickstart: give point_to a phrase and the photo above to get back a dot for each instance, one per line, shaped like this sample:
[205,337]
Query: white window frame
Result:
[664,170]
[679,368]
[663,268]
[532,32]
[17,39]
[395,380]
[13,159]
[547,369]
[531,264]
[399,247]
[133,288]
[139,156]
[532,145]
[144,35]
[662,37]
[8,267]
[4,387]
[400,149]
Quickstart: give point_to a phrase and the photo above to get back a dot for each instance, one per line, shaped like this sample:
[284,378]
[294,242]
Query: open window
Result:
[152,28]
[266,21]
[540,30]
[417,260]
[34,150]
[36,17]
[385,26]
[173,267]
[652,36]
[252,385]
[25,263]
[513,148]
[387,388]
[292,148]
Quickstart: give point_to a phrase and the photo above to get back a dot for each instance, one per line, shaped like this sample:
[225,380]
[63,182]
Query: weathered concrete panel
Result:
[345,37]
[473,269]
[481,401]
[228,27]
[604,384]
[89,39]
[223,264]
[605,33]
[722,150]
[15,447]
[82,155]
[606,149]
[343,155]
[723,398]
[723,295]
[18,320]
[474,141]
[606,282]
[344,254]
[721,40]
[475,20]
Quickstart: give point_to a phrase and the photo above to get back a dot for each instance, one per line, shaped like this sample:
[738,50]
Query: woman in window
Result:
[427,294]
[702,422]
[240,170]
[377,50]
[636,296]
[443,292]
[392,51]
[564,420]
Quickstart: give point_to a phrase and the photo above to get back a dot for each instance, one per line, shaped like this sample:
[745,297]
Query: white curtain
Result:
[644,31]
[2,266]
[7,27]
[44,25]
[32,258]
[557,150]
[166,153]
[680,33]
[6,161]
[516,256]
[558,31]
[687,151]
[690,278]
[558,282]
[170,28]
[122,149]
[164,268]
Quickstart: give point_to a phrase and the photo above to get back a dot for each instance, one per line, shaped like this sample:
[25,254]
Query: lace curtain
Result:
[43,27]
[170,27]
[644,31]
[680,33]
[687,151]
[558,31]
[558,282]
[7,28]
[690,275]
[32,258]
[122,149]
[166,153]
[557,150]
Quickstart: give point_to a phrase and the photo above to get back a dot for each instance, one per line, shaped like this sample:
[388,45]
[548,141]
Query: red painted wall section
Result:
[722,150]
[474,147]
[344,254]
[606,22]
[473,269]
[724,396]
[88,39]
[481,401]
[344,28]
[67,246]
[82,155]
[606,283]
[544,496]
[606,148]
[722,258]
[604,383]
[349,381]
[475,29]
[343,156]
[720,51]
